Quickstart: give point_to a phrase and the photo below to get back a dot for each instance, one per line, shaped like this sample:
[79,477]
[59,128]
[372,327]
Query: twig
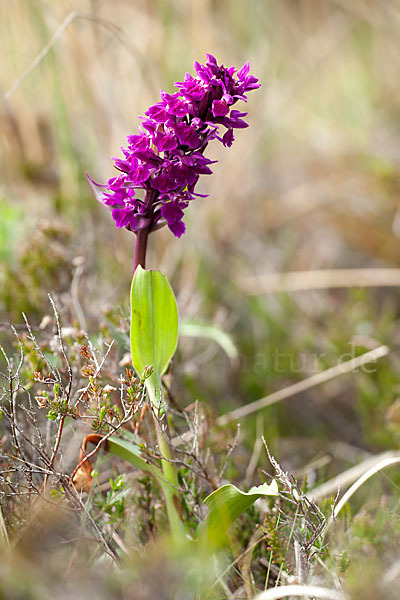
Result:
[54,372]
[87,457]
[78,501]
[305,384]
[67,391]
[58,440]
[314,523]
[103,439]
[61,341]
[230,450]
[13,390]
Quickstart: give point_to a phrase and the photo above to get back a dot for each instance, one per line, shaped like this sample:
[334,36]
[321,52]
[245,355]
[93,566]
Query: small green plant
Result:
[113,503]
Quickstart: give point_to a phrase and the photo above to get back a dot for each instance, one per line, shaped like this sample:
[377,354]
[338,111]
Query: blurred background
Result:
[312,184]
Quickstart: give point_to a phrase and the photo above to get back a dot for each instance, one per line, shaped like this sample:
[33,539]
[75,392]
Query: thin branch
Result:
[62,346]
[55,373]
[230,450]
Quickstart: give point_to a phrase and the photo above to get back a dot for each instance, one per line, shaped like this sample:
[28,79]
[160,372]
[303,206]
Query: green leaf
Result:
[225,505]
[211,332]
[154,323]
[132,453]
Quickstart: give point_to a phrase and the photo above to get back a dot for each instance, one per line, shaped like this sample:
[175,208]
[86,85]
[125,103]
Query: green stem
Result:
[171,485]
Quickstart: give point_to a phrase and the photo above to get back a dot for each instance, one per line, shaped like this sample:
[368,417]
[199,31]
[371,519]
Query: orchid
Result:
[164,161]
[166,157]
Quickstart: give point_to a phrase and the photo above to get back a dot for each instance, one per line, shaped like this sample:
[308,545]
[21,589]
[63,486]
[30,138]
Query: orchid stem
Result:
[139,255]
[170,487]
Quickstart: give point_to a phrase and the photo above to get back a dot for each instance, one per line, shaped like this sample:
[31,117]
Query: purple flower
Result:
[172,212]
[166,158]
[192,88]
[228,138]
[124,217]
[220,108]
[187,135]
[175,105]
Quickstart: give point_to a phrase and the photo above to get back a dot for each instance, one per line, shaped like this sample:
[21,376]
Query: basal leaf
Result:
[132,453]
[154,323]
[225,505]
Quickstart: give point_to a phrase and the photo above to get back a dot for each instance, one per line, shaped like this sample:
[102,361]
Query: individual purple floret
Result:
[166,157]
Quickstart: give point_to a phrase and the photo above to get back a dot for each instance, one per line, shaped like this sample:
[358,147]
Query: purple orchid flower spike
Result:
[166,157]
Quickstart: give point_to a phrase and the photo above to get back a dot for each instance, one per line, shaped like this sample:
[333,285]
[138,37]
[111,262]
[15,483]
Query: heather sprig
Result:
[167,156]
